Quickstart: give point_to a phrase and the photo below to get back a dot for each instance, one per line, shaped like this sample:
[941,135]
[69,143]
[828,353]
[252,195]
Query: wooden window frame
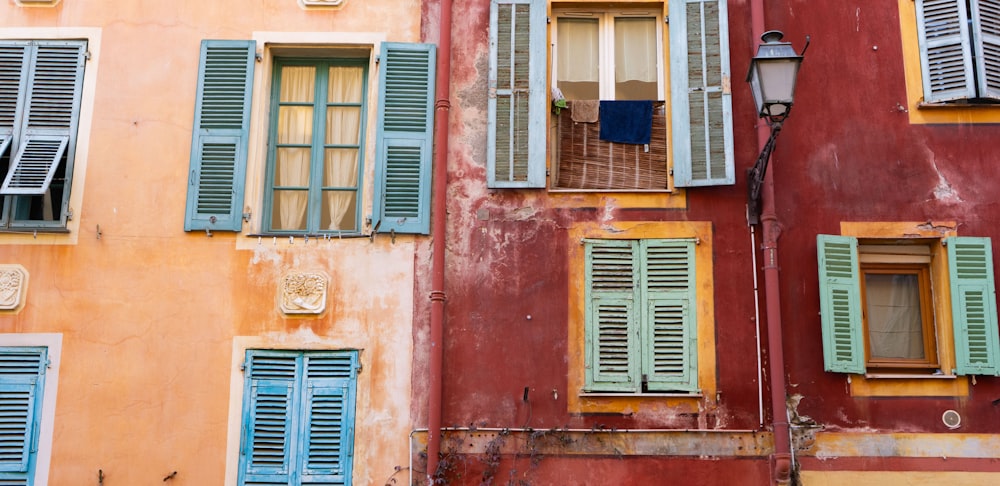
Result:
[928,325]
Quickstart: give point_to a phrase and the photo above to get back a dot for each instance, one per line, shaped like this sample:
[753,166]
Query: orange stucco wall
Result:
[153,321]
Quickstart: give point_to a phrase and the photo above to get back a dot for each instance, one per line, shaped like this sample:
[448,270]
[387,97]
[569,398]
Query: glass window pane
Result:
[339,211]
[635,58]
[578,55]
[298,84]
[895,327]
[295,124]
[291,167]
[343,125]
[345,84]
[340,168]
[289,210]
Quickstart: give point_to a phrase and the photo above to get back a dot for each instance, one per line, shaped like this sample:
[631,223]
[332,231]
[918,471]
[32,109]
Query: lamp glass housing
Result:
[772,77]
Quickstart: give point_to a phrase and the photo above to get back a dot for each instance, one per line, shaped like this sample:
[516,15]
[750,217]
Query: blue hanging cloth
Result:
[627,121]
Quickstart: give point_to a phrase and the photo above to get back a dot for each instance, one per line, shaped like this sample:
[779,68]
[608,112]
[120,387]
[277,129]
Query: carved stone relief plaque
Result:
[13,286]
[303,293]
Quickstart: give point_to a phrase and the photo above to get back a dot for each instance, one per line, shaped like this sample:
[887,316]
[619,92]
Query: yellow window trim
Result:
[579,402]
[896,385]
[927,114]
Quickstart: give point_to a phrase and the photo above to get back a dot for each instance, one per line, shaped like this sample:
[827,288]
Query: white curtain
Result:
[895,328]
[578,50]
[292,164]
[343,127]
[635,49]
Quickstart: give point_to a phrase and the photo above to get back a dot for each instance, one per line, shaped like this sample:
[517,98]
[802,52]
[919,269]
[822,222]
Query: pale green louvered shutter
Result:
[22,372]
[405,139]
[269,418]
[669,327]
[986,28]
[327,446]
[220,137]
[974,308]
[612,316]
[51,115]
[13,80]
[701,98]
[945,50]
[840,304]
[517,111]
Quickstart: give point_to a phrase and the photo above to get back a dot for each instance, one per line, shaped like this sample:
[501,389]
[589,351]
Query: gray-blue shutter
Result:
[701,98]
[945,50]
[517,110]
[270,421]
[404,143]
[51,115]
[986,28]
[22,372]
[13,80]
[840,304]
[220,136]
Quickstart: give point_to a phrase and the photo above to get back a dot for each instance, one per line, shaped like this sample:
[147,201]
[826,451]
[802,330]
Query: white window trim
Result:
[93,37]
[606,17]
[254,189]
[53,342]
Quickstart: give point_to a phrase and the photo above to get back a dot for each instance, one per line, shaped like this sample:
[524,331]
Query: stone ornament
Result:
[303,293]
[13,286]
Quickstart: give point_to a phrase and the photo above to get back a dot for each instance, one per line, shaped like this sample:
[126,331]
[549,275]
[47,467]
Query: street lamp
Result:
[772,81]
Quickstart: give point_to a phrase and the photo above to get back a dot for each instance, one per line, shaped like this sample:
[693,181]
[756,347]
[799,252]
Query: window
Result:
[613,56]
[959,50]
[22,382]
[883,305]
[41,85]
[298,416]
[641,331]
[316,144]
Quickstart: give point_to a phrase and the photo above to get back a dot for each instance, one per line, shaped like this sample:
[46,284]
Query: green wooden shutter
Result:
[405,138]
[327,440]
[612,320]
[701,98]
[13,80]
[51,115]
[220,136]
[974,307]
[22,372]
[517,111]
[271,398]
[840,304]
[986,28]
[945,50]
[669,327]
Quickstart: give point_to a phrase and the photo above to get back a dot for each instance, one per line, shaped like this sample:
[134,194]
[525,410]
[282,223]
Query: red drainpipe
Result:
[442,109]
[781,461]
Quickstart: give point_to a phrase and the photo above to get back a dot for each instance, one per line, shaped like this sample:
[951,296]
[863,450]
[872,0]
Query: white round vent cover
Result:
[951,419]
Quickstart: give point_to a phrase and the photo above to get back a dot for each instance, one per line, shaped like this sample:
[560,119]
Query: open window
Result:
[959,44]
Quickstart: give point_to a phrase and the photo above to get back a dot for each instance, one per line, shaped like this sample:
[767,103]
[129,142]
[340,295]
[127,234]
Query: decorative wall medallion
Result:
[303,293]
[13,286]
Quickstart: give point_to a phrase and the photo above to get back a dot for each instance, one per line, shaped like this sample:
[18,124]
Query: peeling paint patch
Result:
[943,191]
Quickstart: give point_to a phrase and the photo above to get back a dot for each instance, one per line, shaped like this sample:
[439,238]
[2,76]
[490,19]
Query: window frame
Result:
[927,322]
[944,81]
[606,17]
[60,168]
[315,190]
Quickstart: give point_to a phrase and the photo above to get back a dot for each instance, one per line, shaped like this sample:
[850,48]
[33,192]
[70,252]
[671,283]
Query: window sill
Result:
[638,395]
[903,385]
[34,231]
[903,376]
[923,105]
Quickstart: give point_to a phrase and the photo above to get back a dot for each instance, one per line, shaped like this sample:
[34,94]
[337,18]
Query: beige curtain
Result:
[343,127]
[635,49]
[895,329]
[578,50]
[292,163]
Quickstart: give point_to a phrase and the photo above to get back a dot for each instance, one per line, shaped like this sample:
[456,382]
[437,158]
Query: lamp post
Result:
[772,81]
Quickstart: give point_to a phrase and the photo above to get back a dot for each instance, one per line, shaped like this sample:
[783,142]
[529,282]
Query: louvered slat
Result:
[986,28]
[406,91]
[325,450]
[271,404]
[945,50]
[12,80]
[339,365]
[35,165]
[612,327]
[402,182]
[54,86]
[21,372]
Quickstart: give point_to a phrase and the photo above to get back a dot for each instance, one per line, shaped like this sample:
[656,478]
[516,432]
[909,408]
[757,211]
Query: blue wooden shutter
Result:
[270,400]
[220,136]
[700,94]
[13,81]
[612,316]
[51,114]
[974,307]
[22,372]
[945,50]
[327,446]
[840,304]
[669,327]
[517,110]
[986,28]
[404,144]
